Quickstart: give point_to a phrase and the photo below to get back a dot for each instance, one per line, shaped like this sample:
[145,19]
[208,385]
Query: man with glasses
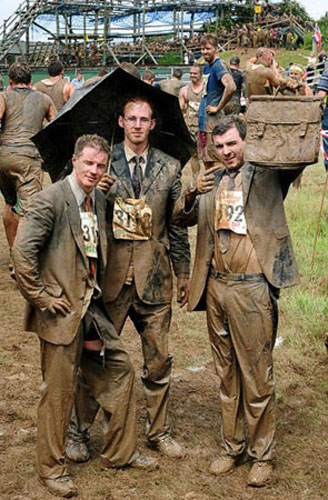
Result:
[143,242]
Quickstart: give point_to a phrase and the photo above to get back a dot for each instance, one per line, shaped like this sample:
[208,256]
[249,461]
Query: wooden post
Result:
[27,36]
[57,24]
[143,23]
[105,20]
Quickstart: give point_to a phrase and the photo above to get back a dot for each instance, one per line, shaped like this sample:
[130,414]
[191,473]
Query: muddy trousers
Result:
[110,381]
[152,323]
[242,320]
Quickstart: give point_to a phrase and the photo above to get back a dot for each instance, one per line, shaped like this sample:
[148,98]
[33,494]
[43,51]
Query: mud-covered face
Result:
[137,123]
[230,149]
[89,167]
[195,75]
[209,52]
[294,74]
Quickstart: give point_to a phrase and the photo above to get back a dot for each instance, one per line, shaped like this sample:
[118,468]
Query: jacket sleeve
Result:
[33,232]
[286,177]
[178,236]
[184,218]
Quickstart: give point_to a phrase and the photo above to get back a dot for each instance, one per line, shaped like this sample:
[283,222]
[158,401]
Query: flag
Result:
[324,135]
[317,36]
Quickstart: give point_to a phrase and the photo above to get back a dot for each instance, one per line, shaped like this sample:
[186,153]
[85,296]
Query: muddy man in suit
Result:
[243,257]
[60,257]
[138,282]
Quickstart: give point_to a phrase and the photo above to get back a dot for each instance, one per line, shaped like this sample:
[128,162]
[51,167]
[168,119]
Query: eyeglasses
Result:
[132,120]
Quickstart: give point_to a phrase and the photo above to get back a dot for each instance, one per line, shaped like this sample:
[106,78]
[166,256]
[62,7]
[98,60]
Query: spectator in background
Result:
[55,86]
[173,85]
[233,106]
[78,80]
[148,77]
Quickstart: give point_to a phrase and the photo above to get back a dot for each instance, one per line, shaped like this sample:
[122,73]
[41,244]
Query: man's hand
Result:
[205,181]
[58,305]
[106,183]
[211,110]
[292,84]
[183,289]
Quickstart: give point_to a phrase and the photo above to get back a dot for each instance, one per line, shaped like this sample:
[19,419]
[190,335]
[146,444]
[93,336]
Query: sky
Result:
[315,8]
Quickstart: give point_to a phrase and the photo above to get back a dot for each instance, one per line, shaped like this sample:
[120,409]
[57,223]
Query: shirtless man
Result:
[55,86]
[261,78]
[22,111]
[190,97]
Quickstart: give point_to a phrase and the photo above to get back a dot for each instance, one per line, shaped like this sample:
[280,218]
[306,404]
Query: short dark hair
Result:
[209,38]
[135,100]
[148,75]
[229,122]
[177,72]
[102,72]
[20,72]
[235,60]
[130,68]
[197,66]
[91,141]
[55,67]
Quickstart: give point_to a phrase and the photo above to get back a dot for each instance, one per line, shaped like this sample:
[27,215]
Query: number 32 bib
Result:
[229,212]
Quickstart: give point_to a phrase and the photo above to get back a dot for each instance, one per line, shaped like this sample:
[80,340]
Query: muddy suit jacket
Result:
[264,190]
[161,187]
[49,259]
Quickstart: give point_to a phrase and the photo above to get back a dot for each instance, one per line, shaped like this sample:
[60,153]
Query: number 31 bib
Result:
[229,212]
[132,219]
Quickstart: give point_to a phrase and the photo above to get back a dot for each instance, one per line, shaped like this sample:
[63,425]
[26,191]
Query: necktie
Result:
[224,238]
[87,203]
[87,206]
[137,176]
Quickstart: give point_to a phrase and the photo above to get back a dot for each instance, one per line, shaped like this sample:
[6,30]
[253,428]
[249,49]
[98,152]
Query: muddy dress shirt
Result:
[233,252]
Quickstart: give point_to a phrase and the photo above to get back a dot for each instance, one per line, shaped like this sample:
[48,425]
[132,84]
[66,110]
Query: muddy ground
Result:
[302,437]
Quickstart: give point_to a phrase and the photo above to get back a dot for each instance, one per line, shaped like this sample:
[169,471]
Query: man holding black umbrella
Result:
[142,242]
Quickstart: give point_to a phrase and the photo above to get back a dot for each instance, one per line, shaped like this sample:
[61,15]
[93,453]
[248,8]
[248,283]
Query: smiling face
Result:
[89,167]
[137,123]
[195,74]
[230,148]
[209,52]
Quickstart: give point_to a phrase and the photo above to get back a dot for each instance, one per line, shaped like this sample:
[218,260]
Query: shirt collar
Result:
[131,154]
[79,193]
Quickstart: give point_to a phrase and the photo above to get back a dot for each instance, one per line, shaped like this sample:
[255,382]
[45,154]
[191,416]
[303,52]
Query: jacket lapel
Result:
[247,172]
[121,169]
[100,210]
[153,168]
[74,219]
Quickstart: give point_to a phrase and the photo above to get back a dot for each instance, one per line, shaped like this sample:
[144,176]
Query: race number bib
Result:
[89,225]
[132,219]
[229,213]
[205,81]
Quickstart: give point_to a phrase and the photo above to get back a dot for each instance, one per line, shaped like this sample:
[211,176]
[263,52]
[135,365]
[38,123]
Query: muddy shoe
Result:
[77,451]
[168,447]
[225,464]
[260,474]
[145,463]
[61,486]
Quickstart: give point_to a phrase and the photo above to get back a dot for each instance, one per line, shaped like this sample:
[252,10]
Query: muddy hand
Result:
[106,183]
[211,110]
[59,305]
[205,181]
[183,288]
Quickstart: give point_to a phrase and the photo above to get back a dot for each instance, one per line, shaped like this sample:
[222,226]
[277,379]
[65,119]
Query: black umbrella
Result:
[95,109]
